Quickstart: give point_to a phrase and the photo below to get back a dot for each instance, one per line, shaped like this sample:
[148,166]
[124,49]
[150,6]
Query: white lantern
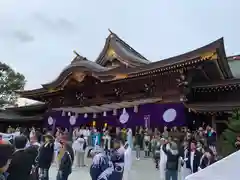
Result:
[85,115]
[50,120]
[76,115]
[72,120]
[104,113]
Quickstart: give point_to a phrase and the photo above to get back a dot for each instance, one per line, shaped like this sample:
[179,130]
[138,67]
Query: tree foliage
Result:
[228,137]
[10,82]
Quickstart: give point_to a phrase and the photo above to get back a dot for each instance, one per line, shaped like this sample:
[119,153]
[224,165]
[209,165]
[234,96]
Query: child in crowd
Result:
[5,159]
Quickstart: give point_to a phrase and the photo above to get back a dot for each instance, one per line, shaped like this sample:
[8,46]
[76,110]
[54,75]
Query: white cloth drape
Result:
[127,163]
[162,164]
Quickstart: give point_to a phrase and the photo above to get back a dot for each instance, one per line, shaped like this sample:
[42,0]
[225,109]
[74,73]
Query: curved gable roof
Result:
[115,46]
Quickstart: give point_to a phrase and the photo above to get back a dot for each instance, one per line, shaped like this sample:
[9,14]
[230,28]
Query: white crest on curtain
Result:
[50,120]
[69,114]
[94,115]
[72,120]
[124,117]
[63,113]
[85,115]
[169,115]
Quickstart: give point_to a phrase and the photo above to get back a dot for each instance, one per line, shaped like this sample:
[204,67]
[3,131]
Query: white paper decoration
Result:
[135,109]
[124,117]
[169,115]
[85,115]
[94,115]
[72,120]
[104,113]
[50,120]
[114,112]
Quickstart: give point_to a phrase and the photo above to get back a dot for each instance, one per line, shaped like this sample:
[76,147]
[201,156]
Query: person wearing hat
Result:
[173,157]
[6,150]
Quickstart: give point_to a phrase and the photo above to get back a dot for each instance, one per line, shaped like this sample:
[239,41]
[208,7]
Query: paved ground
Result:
[141,170]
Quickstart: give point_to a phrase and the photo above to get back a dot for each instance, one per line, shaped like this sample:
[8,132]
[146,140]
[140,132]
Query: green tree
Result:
[228,137]
[10,82]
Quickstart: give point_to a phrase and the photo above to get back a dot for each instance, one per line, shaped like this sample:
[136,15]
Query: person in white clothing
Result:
[127,161]
[163,160]
[79,148]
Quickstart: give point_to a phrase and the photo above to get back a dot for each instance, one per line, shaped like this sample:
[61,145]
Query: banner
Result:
[7,137]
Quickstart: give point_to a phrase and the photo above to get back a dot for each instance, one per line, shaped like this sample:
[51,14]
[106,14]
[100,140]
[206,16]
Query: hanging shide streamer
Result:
[104,113]
[114,112]
[135,109]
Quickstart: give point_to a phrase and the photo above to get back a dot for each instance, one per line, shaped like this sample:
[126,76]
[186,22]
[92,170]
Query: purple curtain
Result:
[153,114]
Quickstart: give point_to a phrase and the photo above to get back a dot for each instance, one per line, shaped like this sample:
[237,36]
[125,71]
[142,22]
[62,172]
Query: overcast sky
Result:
[37,37]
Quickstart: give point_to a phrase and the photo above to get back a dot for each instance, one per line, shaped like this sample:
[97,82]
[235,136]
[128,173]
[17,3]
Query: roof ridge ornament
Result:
[110,31]
[78,57]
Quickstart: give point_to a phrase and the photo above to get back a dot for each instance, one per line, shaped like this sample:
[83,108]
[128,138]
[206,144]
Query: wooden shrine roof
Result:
[108,107]
[213,106]
[234,82]
[115,47]
[81,68]
[7,115]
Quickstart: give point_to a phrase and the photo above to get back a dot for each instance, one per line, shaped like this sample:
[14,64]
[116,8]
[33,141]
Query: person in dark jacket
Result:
[193,157]
[171,150]
[45,157]
[137,145]
[5,158]
[101,168]
[22,161]
[117,158]
[207,159]
[65,167]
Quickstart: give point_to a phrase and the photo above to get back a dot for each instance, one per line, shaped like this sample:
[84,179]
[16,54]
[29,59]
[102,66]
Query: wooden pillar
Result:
[214,126]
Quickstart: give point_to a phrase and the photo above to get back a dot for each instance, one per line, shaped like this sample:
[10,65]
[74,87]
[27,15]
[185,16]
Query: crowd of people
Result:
[176,152]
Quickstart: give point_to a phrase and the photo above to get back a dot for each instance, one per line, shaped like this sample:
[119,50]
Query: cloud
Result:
[22,36]
[59,24]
